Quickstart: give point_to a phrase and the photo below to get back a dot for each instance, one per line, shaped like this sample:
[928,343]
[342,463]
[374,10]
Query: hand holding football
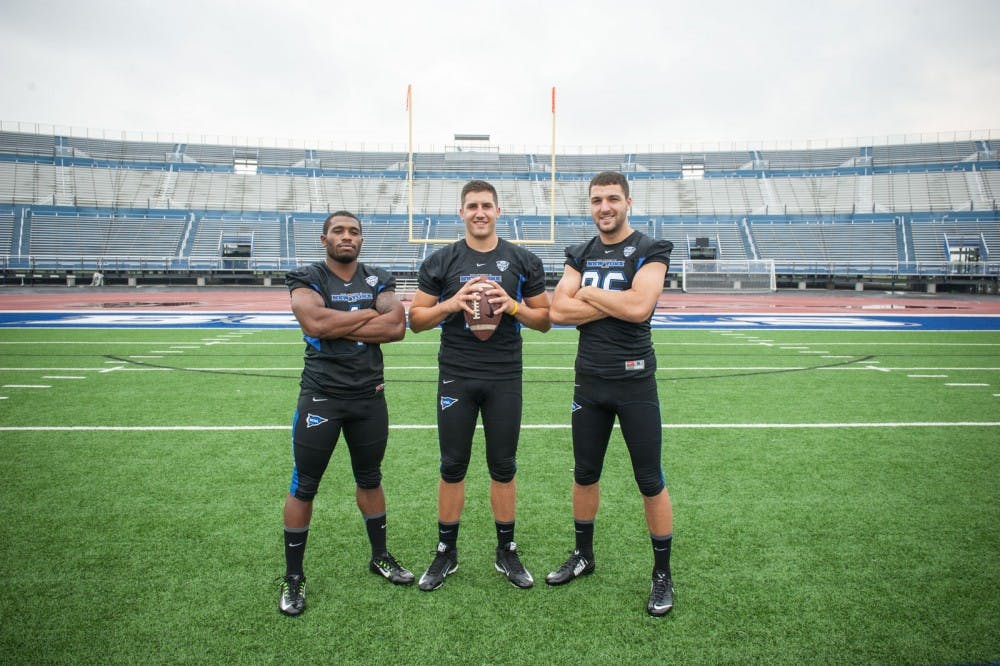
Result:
[484,318]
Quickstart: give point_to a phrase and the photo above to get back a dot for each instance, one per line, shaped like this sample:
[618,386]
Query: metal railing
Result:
[208,264]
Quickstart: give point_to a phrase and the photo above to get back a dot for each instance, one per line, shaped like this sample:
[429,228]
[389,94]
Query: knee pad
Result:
[368,479]
[503,471]
[453,471]
[650,482]
[586,476]
[303,486]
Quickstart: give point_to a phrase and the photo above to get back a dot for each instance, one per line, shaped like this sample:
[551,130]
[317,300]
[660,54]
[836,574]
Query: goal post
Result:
[413,238]
[752,276]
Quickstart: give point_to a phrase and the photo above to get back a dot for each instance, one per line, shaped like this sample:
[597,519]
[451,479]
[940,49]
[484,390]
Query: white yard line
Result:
[537,426]
[662,370]
[533,343]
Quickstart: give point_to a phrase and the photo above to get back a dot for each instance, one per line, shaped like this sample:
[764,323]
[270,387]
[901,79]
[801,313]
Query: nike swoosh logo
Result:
[447,381]
[347,284]
[320,399]
[608,251]
[478,265]
[296,545]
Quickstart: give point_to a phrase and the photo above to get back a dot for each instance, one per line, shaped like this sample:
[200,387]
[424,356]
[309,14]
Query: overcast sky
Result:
[627,72]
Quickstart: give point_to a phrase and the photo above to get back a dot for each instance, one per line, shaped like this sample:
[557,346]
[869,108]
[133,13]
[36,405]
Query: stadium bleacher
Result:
[107,201]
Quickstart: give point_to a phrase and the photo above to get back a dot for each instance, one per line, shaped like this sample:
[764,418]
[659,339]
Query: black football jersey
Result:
[514,268]
[342,368]
[612,348]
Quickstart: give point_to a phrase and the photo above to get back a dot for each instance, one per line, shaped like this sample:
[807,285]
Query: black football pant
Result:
[636,403]
[460,402]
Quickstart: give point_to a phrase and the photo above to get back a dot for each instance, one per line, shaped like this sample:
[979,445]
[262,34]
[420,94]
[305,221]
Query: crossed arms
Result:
[573,305]
[385,323]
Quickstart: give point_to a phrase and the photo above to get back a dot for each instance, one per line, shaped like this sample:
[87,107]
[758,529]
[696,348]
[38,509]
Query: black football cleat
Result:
[661,594]
[445,562]
[293,595]
[386,566]
[575,566]
[509,564]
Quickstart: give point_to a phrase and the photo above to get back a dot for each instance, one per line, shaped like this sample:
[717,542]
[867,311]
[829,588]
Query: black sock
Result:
[295,550]
[661,552]
[375,525]
[584,537]
[448,534]
[505,533]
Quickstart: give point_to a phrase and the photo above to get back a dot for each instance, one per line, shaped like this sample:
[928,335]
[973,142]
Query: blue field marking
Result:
[278,320]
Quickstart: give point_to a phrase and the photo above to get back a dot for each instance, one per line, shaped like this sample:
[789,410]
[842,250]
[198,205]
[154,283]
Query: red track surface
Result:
[276,300]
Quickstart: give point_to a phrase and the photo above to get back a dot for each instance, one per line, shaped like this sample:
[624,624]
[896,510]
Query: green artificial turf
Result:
[835,500]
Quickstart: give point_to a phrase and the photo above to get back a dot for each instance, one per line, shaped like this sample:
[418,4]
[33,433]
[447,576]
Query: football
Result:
[483,319]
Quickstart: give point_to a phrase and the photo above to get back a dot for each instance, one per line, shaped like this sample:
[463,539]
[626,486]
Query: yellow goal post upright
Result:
[409,183]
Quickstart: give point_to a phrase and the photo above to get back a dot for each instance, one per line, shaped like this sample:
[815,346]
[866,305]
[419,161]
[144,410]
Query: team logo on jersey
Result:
[635,365]
[629,251]
[447,402]
[576,407]
[503,265]
[353,297]
[371,280]
[312,420]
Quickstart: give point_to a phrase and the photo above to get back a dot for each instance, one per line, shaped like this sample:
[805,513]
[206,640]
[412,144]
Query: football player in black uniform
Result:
[346,309]
[479,376]
[608,291]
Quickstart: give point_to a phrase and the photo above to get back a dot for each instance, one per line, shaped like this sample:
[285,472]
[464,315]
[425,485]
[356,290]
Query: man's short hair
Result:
[340,213]
[609,178]
[480,186]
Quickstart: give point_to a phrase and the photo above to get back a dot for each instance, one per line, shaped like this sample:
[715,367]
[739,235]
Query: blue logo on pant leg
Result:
[447,402]
[313,420]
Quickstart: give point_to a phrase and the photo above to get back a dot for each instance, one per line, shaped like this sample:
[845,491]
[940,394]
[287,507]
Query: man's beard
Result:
[342,258]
